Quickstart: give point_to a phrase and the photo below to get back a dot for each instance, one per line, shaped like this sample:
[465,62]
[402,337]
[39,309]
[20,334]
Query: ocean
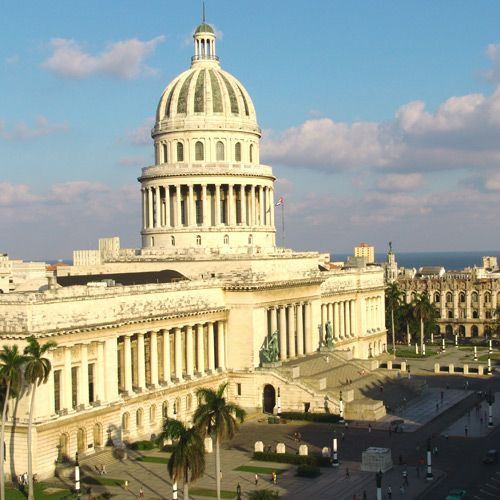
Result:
[448,260]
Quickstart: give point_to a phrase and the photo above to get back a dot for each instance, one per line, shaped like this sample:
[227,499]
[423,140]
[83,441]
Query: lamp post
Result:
[456,340]
[489,365]
[423,349]
[490,398]
[77,477]
[490,347]
[378,480]
[278,403]
[335,457]
[475,353]
[174,490]
[429,476]
[443,345]
[341,409]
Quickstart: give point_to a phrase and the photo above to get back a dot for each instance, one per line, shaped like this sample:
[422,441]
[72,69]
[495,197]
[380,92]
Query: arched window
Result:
[139,417]
[251,153]
[164,409]
[488,314]
[219,151]
[449,297]
[250,239]
[198,240]
[177,406]
[475,314]
[487,298]
[237,151]
[437,297]
[462,297]
[125,421]
[450,314]
[189,401]
[180,152]
[165,153]
[474,296]
[152,413]
[198,151]
[226,239]
[172,240]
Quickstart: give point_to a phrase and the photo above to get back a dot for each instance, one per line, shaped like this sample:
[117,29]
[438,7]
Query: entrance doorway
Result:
[269,398]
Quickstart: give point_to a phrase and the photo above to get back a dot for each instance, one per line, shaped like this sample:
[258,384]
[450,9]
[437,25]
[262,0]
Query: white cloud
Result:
[123,59]
[493,54]
[24,132]
[13,59]
[133,161]
[141,136]
[400,182]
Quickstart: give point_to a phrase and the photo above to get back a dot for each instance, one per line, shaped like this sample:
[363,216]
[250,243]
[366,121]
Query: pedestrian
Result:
[343,436]
[89,493]
[275,478]
[256,479]
[405,478]
[402,490]
[347,473]
[389,492]
[346,425]
[369,427]
[466,431]
[437,406]
[125,485]
[104,471]
[442,396]
[364,495]
[25,479]
[141,492]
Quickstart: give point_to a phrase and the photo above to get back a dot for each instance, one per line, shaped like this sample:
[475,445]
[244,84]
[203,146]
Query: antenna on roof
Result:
[203,11]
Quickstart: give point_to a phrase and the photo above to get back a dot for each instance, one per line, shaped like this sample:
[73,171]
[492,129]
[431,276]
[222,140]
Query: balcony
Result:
[204,57]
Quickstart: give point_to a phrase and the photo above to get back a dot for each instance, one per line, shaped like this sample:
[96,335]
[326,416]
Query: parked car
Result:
[456,494]
[491,457]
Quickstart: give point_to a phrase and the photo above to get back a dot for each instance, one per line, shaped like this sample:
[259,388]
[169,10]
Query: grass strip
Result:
[206,492]
[259,470]
[103,481]
[153,460]
[17,494]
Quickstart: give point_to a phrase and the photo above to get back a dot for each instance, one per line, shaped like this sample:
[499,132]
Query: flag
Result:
[281,201]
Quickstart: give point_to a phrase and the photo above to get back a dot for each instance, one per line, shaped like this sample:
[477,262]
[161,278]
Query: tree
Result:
[36,372]
[11,376]
[495,326]
[187,461]
[217,418]
[263,495]
[425,312]
[393,301]
[406,319]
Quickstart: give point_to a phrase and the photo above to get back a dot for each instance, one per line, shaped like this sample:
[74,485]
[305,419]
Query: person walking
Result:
[141,492]
[125,485]
[364,495]
[347,473]
[369,427]
[389,492]
[256,479]
[405,478]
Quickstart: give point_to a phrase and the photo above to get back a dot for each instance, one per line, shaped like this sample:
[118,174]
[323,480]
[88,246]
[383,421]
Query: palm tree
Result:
[36,372]
[11,361]
[424,311]
[187,461]
[393,300]
[405,313]
[216,417]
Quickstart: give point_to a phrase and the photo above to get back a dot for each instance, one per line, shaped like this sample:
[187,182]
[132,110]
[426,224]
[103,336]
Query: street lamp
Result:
[335,458]
[77,476]
[429,476]
[475,353]
[378,480]
[490,398]
[341,409]
[443,348]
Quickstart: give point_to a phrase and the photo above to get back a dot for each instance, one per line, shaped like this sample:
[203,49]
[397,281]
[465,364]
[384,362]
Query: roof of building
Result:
[430,270]
[204,28]
[141,278]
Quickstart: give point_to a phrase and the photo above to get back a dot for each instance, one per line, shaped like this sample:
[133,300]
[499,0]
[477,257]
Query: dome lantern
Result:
[204,42]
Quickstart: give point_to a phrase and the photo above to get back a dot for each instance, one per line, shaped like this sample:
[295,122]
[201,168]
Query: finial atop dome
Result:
[204,42]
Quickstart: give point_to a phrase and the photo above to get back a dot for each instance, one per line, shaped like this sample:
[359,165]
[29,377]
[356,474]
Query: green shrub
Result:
[290,458]
[305,470]
[263,495]
[142,445]
[310,417]
[273,420]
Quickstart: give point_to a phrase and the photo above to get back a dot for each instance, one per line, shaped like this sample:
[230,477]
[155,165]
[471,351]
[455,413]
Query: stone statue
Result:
[329,335]
[270,351]
[390,246]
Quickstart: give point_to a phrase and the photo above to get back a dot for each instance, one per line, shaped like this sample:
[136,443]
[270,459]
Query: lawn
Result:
[259,470]
[15,494]
[410,353]
[495,356]
[206,492]
[103,481]
[153,460]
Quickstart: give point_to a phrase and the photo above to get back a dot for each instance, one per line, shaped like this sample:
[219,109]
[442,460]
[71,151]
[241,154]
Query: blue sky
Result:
[381,119]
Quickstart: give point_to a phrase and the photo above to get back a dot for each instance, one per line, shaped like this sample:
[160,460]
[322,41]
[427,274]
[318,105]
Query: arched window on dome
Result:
[219,151]
[251,153]
[198,151]
[226,239]
[165,154]
[172,240]
[198,240]
[180,152]
[237,151]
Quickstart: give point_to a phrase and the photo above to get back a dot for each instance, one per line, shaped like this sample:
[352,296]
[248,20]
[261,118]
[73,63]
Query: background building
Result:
[365,250]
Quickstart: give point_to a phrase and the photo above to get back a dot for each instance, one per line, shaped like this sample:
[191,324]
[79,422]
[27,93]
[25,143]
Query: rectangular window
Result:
[74,386]
[91,383]
[238,389]
[199,208]
[238,211]
[183,212]
[223,211]
[57,390]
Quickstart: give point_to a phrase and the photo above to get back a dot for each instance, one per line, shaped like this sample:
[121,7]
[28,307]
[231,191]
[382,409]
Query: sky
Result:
[381,120]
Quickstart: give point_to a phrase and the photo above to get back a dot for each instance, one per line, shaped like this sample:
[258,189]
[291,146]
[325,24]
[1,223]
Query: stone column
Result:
[50,403]
[166,356]
[230,206]
[141,365]
[144,208]
[253,221]
[336,320]
[99,374]
[83,375]
[353,318]
[211,347]
[221,344]
[189,351]
[347,306]
[153,351]
[158,206]
[205,214]
[244,206]
[167,206]
[282,330]
[178,353]
[110,356]
[291,331]
[274,319]
[217,204]
[308,328]
[192,210]
[150,207]
[300,331]
[329,312]
[200,350]
[66,399]
[324,316]
[127,362]
[341,319]
[178,197]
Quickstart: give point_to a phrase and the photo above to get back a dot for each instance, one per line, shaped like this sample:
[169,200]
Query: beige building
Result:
[466,299]
[365,250]
[138,331]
